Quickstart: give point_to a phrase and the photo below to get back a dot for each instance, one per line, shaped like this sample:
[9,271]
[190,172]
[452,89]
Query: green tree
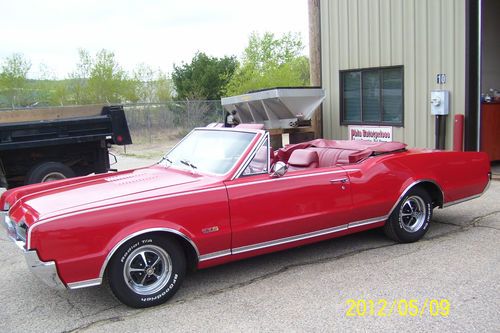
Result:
[78,80]
[108,82]
[151,86]
[163,87]
[100,79]
[61,94]
[13,79]
[46,89]
[269,62]
[204,78]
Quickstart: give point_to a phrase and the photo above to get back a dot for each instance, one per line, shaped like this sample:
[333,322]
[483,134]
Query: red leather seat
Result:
[259,162]
[303,159]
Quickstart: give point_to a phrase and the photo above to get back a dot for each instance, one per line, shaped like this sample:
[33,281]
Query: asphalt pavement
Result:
[364,282]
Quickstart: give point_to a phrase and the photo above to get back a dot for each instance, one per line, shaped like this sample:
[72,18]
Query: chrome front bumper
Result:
[44,270]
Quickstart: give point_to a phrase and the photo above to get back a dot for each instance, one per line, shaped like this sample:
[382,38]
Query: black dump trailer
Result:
[38,145]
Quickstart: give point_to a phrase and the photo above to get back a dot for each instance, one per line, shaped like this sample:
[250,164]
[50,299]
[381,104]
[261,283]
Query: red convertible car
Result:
[223,194]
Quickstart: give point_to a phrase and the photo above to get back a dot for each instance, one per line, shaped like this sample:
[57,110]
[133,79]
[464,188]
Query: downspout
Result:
[479,65]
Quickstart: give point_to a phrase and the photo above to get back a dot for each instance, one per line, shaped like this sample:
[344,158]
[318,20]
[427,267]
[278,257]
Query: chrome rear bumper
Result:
[44,270]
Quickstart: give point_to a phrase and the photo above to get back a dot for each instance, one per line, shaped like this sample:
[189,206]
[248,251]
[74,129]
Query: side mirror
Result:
[279,169]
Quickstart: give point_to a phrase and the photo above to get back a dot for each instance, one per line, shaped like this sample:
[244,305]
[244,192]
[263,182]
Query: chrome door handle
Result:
[339,180]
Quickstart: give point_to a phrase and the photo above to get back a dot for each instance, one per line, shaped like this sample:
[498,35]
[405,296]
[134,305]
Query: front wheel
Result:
[147,270]
[410,219]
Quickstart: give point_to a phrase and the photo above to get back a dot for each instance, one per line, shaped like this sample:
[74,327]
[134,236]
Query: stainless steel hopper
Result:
[276,107]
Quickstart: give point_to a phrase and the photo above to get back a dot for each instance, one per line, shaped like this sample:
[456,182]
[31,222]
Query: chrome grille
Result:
[10,226]
[21,229]
[16,231]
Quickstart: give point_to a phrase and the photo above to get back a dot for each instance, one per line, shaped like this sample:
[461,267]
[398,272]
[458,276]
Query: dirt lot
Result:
[303,289]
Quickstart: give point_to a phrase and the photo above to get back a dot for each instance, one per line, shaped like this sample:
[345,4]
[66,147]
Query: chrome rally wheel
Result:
[409,221]
[413,213]
[146,270]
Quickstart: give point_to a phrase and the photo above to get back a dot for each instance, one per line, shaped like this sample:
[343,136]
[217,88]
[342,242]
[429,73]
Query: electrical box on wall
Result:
[440,102]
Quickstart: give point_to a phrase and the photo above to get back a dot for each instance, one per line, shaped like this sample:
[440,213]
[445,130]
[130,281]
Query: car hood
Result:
[92,192]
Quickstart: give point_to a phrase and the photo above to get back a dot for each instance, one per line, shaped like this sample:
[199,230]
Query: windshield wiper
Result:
[165,158]
[189,164]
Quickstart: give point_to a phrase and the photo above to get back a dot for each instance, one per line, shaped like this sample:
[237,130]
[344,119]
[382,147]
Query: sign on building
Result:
[370,133]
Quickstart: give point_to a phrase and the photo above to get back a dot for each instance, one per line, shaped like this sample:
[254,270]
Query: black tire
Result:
[48,171]
[141,284]
[410,219]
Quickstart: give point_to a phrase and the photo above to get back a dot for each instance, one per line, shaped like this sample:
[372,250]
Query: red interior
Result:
[334,152]
[303,159]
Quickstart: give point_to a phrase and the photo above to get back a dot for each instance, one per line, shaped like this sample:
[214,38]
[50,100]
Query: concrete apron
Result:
[495,170]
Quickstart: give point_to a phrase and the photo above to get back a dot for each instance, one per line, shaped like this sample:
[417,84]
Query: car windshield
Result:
[209,151]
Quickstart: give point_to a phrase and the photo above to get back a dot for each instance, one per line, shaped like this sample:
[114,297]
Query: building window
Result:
[372,96]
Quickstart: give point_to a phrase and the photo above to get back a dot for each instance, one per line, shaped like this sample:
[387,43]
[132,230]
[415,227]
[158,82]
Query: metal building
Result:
[380,60]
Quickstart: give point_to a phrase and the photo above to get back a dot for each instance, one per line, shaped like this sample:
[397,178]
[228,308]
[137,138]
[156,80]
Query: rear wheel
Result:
[147,270]
[47,172]
[410,219]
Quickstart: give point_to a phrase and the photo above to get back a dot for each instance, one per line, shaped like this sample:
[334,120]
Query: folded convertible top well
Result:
[356,151]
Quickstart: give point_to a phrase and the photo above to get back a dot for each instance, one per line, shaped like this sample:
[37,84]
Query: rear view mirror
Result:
[279,169]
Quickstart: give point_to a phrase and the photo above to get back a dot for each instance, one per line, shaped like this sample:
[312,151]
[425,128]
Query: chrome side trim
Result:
[290,239]
[84,284]
[451,203]
[308,235]
[145,231]
[286,240]
[409,187]
[475,196]
[287,178]
[214,255]
[367,221]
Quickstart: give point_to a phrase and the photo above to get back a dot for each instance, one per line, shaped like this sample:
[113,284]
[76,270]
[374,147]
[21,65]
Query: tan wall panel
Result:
[353,32]
[448,60]
[427,37]
[374,32]
[459,66]
[409,133]
[364,33]
[341,23]
[328,46]
[433,56]
[421,83]
[385,33]
[397,28]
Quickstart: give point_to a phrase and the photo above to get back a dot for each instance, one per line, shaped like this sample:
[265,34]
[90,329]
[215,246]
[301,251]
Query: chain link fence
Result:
[167,122]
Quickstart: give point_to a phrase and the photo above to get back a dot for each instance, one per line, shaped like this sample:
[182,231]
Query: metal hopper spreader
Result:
[277,107]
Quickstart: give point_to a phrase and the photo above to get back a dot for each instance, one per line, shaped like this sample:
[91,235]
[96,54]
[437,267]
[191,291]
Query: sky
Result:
[155,32]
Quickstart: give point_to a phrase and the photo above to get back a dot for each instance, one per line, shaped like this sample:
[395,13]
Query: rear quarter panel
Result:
[378,182]
[459,174]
